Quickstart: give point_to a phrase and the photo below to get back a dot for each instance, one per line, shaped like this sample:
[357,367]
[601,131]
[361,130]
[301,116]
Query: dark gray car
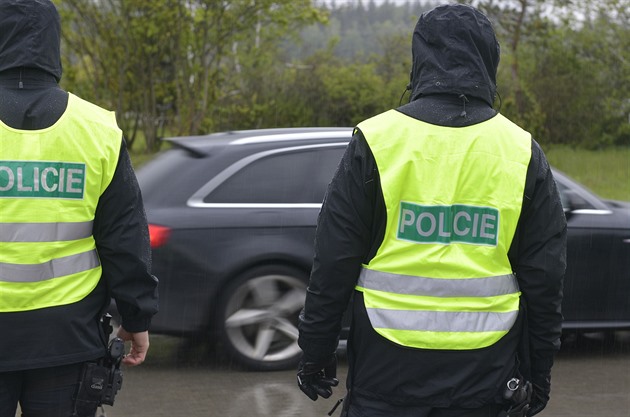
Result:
[232,220]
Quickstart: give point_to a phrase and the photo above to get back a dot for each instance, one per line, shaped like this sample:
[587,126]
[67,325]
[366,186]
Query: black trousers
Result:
[364,407]
[46,392]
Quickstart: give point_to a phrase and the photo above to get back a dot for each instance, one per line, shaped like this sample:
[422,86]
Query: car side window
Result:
[295,177]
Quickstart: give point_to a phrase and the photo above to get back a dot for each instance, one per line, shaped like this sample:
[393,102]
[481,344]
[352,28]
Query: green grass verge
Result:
[605,172]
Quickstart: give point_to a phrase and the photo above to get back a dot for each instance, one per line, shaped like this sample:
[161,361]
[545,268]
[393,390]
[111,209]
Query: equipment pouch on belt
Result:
[100,380]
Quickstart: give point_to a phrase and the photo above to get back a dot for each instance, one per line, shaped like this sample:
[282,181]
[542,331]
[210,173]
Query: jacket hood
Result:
[455,51]
[30,36]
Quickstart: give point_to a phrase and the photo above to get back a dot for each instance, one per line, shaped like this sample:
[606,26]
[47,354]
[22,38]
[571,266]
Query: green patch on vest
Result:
[42,179]
[448,224]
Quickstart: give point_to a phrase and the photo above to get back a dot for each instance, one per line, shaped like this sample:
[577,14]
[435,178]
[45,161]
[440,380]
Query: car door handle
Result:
[626,240]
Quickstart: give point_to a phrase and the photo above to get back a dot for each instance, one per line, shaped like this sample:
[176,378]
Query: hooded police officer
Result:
[72,230]
[444,224]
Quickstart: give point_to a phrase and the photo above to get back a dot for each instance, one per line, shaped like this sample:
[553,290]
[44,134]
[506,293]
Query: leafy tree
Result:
[171,61]
[195,66]
[121,53]
[582,79]
[564,72]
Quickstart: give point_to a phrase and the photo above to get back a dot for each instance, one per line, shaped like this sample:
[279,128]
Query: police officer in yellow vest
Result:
[444,223]
[72,227]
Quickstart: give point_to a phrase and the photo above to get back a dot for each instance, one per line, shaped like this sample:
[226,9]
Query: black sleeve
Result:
[538,256]
[344,239]
[122,241]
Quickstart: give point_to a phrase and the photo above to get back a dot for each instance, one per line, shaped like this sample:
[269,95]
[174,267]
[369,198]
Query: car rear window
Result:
[294,177]
[171,177]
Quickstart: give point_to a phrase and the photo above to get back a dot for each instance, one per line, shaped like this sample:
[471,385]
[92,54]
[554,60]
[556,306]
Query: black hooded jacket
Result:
[455,58]
[455,51]
[31,99]
[30,36]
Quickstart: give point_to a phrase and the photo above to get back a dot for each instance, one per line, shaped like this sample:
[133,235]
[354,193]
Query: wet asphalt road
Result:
[591,378]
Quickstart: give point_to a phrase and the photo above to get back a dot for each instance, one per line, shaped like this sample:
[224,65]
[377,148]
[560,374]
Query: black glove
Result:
[317,378]
[540,397]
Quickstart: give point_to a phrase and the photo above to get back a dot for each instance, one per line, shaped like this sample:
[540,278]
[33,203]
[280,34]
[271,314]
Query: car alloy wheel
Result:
[260,313]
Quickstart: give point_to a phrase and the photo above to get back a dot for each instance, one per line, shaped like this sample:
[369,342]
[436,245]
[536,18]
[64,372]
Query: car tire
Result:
[258,317]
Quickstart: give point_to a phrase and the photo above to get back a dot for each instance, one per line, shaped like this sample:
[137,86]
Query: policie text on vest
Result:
[447,224]
[42,179]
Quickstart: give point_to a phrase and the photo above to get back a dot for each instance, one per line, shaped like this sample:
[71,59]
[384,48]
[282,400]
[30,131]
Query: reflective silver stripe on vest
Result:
[436,287]
[54,268]
[44,232]
[441,321]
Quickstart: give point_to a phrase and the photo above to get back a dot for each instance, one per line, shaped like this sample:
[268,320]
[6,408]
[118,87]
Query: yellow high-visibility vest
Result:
[441,278]
[50,183]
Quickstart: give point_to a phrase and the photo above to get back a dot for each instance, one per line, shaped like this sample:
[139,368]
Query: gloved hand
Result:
[317,378]
[540,396]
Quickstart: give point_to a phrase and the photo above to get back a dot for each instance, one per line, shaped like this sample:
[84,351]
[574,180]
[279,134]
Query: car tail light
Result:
[158,235]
